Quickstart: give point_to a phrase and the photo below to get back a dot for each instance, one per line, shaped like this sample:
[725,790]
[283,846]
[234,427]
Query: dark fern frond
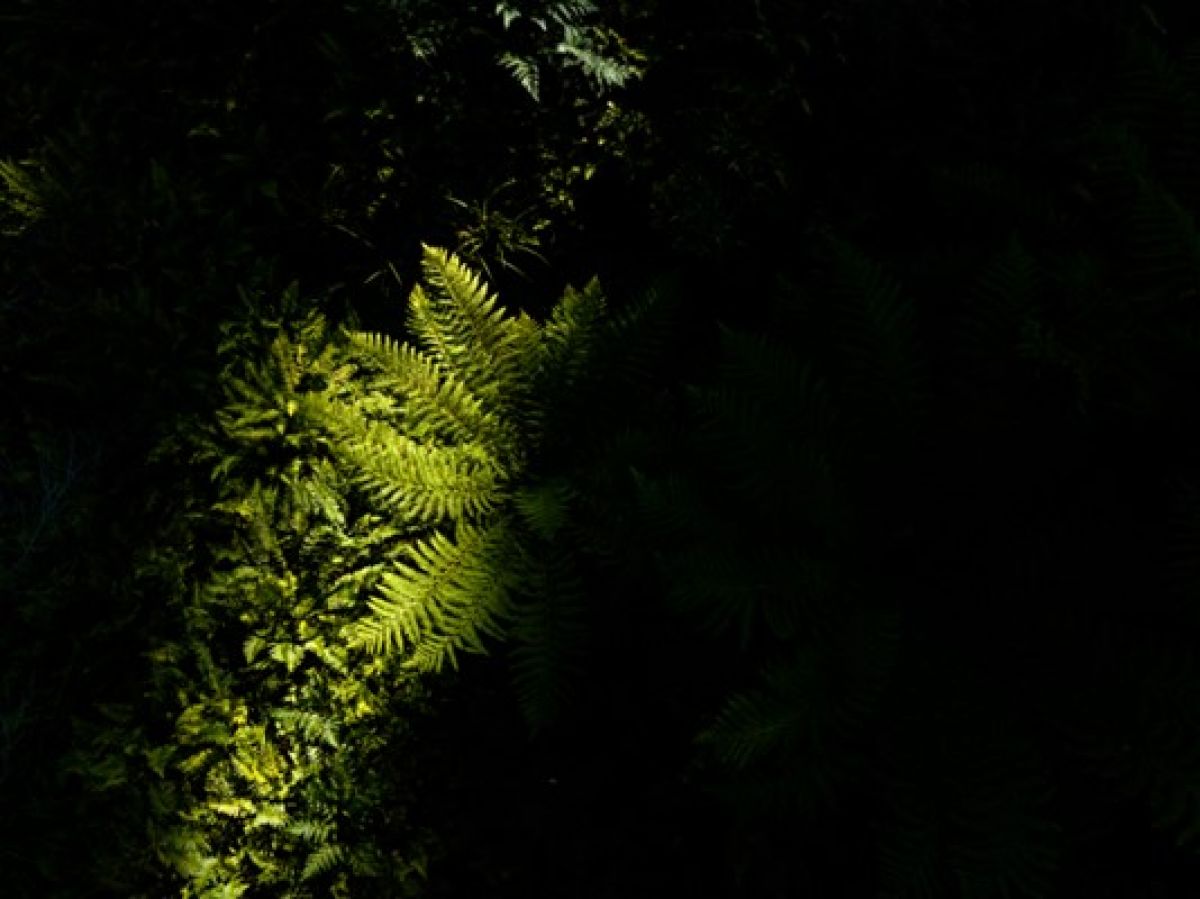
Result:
[878,358]
[550,629]
[1164,246]
[1002,301]
[637,334]
[1181,553]
[810,708]
[1158,100]
[1155,757]
[774,450]
[568,337]
[674,508]
[756,724]
[545,506]
[967,818]
[1007,197]
[727,586]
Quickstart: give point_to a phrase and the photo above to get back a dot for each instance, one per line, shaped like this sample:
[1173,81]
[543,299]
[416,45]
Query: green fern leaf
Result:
[434,403]
[549,629]
[322,860]
[446,600]
[525,71]
[464,329]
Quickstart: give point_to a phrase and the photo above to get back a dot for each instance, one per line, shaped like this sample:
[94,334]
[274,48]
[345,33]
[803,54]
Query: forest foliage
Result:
[845,543]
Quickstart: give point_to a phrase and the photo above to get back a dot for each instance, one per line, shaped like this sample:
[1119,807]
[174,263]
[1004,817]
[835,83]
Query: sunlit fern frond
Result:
[464,329]
[420,483]
[524,71]
[433,403]
[450,595]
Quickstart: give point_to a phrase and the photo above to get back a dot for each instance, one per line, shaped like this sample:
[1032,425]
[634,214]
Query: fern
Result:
[1165,246]
[422,483]
[465,331]
[446,600]
[1157,101]
[525,71]
[566,35]
[322,860]
[878,358]
[550,629]
[545,506]
[1003,301]
[437,436]
[799,736]
[21,201]
[604,72]
[968,818]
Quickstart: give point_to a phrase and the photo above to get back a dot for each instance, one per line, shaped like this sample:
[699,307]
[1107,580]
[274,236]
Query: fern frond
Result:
[549,629]
[725,588]
[1002,300]
[545,506]
[21,199]
[1007,197]
[464,329]
[311,830]
[315,728]
[420,483]
[805,716]
[322,860]
[754,724]
[673,507]
[570,332]
[570,12]
[604,72]
[636,336]
[435,403]
[1164,245]
[774,448]
[874,334]
[1155,757]
[452,594]
[986,836]
[525,71]
[1157,99]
